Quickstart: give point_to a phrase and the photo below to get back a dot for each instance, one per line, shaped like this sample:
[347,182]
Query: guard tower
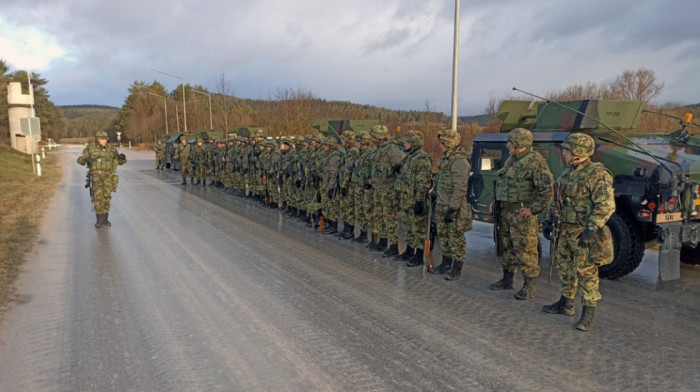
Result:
[25,129]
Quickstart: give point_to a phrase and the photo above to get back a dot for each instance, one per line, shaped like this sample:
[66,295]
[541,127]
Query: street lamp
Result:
[184,103]
[165,102]
[455,65]
[211,124]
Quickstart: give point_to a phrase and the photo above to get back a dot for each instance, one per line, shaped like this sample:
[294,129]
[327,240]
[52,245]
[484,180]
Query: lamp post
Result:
[165,103]
[184,102]
[455,67]
[211,124]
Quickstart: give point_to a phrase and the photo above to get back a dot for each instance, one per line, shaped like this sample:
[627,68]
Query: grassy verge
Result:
[23,200]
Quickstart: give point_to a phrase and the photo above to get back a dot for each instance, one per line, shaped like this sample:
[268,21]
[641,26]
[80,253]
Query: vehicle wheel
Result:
[690,255]
[628,247]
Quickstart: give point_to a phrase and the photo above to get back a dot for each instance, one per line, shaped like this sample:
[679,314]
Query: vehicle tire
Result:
[690,255]
[628,247]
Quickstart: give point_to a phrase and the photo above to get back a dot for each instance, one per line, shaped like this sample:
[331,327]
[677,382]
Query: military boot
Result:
[349,233]
[381,245]
[506,283]
[445,266]
[392,251]
[407,254]
[204,183]
[98,222]
[374,243]
[528,291]
[105,220]
[362,238]
[456,271]
[197,183]
[331,227]
[416,259]
[184,182]
[191,180]
[563,306]
[586,321]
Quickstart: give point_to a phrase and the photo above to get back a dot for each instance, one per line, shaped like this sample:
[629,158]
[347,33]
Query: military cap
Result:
[520,137]
[449,138]
[364,137]
[348,136]
[580,144]
[101,135]
[317,137]
[380,132]
[414,137]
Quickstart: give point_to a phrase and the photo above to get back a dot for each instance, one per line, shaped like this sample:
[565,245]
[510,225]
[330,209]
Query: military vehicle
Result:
[656,176]
[338,125]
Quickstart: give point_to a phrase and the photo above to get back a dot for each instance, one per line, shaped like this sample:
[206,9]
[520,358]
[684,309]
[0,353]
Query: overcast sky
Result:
[391,53]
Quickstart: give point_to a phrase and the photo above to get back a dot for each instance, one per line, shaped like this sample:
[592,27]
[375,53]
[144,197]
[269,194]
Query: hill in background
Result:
[85,120]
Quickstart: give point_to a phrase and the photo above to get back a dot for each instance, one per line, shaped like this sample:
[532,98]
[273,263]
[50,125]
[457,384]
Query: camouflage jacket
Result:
[331,168]
[453,177]
[103,159]
[160,150]
[386,157]
[347,166]
[525,178]
[183,151]
[413,181]
[362,171]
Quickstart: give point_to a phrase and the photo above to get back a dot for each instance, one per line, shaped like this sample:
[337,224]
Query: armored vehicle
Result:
[656,176]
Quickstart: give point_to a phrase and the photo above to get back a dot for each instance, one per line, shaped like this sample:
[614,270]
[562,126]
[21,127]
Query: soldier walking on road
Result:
[452,211]
[160,155]
[523,189]
[184,153]
[102,160]
[583,202]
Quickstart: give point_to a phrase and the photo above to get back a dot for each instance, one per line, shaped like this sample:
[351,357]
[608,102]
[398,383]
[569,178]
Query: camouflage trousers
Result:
[365,211]
[186,168]
[575,266]
[201,173]
[273,190]
[385,210]
[416,228]
[329,206]
[519,239]
[102,190]
[451,235]
[346,209]
[160,161]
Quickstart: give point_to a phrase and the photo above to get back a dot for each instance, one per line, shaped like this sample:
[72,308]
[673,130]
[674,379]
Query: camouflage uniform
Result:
[261,162]
[160,155]
[346,204]
[412,185]
[359,187]
[452,211]
[525,182]
[200,156]
[210,164]
[583,202]
[313,176]
[387,159]
[184,153]
[103,162]
[272,170]
[329,199]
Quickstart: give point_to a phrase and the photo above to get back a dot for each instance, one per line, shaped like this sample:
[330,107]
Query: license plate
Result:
[671,217]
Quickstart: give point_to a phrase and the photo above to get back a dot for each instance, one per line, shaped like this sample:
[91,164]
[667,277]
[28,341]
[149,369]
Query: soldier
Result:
[331,169]
[584,200]
[200,159]
[160,155]
[361,189]
[313,171]
[385,165]
[452,211]
[184,153]
[102,161]
[523,190]
[272,168]
[211,167]
[412,185]
[346,205]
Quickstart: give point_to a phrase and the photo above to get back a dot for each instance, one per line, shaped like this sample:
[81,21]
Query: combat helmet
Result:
[259,133]
[364,138]
[580,144]
[380,132]
[520,137]
[449,138]
[348,136]
[415,138]
[101,135]
[316,137]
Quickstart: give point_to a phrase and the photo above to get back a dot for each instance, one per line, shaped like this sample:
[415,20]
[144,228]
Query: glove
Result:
[433,197]
[397,168]
[419,207]
[122,157]
[367,187]
[330,193]
[586,238]
[351,168]
[448,215]
[548,230]
[89,160]
[245,171]
[344,191]
[298,183]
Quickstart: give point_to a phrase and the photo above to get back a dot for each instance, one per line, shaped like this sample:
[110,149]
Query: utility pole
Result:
[455,67]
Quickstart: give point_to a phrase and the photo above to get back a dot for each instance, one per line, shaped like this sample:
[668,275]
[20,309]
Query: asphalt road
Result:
[192,289]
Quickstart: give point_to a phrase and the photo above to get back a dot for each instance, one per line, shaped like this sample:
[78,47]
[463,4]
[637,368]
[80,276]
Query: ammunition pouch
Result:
[575,214]
[514,191]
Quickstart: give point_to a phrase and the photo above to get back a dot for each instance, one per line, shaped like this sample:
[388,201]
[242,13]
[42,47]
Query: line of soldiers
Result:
[365,180]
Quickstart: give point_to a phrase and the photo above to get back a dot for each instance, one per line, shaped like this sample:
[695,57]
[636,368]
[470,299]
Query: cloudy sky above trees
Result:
[391,53]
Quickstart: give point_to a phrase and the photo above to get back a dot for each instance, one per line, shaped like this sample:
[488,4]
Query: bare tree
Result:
[639,85]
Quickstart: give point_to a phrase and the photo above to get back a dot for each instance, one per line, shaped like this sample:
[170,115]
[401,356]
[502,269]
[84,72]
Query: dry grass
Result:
[23,199]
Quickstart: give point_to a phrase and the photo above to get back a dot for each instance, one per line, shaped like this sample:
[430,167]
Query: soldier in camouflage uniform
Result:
[412,185]
[211,168]
[313,169]
[102,160]
[200,157]
[346,204]
[261,161]
[284,176]
[523,190]
[160,155]
[238,158]
[219,163]
[185,154]
[386,163]
[452,211]
[228,176]
[329,189]
[272,170]
[360,187]
[584,200]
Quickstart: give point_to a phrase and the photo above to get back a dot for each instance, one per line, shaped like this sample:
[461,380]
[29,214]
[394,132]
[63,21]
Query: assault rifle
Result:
[90,180]
[496,217]
[556,222]
[429,234]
